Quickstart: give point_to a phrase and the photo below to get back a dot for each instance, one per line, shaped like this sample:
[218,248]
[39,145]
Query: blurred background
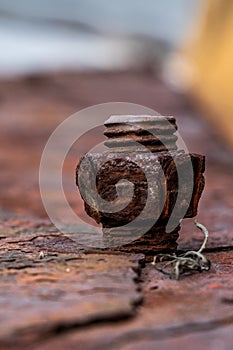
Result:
[86,34]
[57,57]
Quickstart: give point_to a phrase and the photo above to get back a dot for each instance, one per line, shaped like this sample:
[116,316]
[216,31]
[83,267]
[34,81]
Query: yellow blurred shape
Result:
[210,57]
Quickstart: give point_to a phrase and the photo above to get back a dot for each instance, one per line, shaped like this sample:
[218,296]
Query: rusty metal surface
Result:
[174,313]
[43,293]
[73,299]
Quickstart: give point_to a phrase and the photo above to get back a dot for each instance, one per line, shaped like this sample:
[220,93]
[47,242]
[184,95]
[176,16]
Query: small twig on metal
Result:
[189,262]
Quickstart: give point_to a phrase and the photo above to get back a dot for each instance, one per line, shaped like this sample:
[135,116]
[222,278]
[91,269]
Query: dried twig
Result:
[188,262]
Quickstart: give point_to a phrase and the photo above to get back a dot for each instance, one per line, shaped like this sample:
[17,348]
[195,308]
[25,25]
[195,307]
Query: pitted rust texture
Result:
[195,312]
[68,298]
[59,288]
[156,162]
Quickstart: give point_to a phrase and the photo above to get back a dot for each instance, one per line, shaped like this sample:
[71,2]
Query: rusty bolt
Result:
[142,150]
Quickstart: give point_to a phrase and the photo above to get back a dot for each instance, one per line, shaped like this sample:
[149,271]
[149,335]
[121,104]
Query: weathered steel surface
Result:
[194,311]
[41,303]
[42,294]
